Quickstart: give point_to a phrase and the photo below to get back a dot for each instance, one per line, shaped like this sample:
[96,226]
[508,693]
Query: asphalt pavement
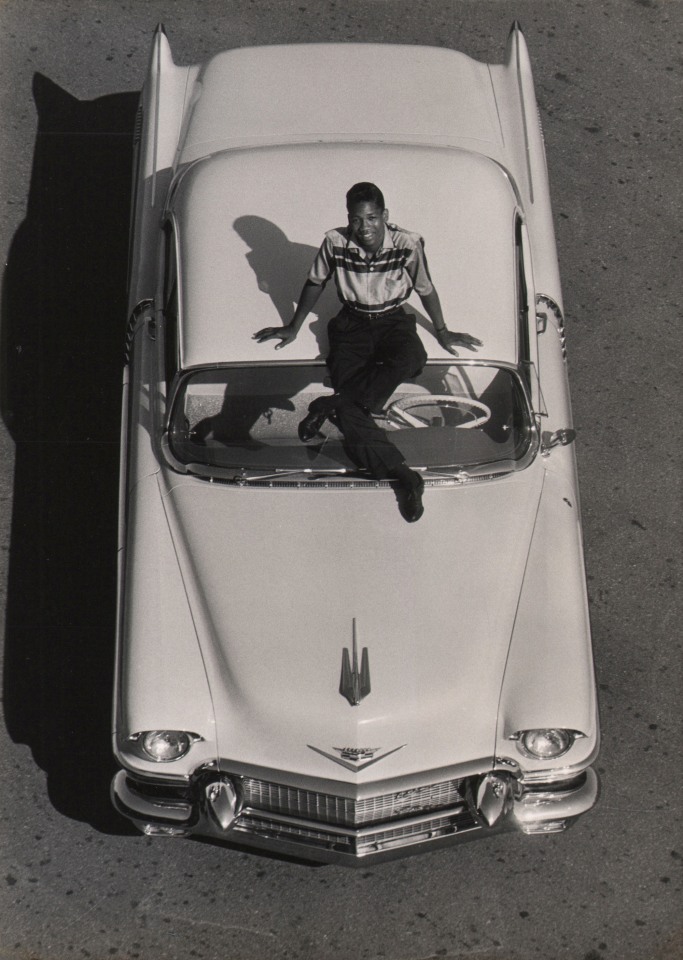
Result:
[75,881]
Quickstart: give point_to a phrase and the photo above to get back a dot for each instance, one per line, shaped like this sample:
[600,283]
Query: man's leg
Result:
[351,353]
[367,361]
[368,446]
[396,354]
[349,358]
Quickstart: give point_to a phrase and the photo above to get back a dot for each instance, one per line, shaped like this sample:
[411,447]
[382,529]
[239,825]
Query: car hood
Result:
[278,580]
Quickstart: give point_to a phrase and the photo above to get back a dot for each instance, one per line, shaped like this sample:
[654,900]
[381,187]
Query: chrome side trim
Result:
[134,321]
[543,300]
[515,38]
[157,93]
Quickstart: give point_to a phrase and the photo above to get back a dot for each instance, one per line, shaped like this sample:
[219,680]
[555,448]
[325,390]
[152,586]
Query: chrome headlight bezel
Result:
[162,746]
[545,743]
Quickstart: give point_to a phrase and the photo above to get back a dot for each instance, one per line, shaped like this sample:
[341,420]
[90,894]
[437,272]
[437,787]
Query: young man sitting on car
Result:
[374,345]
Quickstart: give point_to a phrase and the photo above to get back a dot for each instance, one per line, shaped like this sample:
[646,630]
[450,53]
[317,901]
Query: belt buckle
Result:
[366,315]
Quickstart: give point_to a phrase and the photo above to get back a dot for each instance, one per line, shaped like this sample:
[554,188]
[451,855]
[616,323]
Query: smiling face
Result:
[366,222]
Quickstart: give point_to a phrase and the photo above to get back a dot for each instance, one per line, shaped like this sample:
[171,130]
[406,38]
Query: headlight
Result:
[163,746]
[545,744]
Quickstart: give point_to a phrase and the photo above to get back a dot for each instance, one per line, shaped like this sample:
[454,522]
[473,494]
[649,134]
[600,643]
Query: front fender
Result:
[162,683]
[549,677]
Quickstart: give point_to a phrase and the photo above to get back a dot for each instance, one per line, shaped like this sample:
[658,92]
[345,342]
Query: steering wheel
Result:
[399,409]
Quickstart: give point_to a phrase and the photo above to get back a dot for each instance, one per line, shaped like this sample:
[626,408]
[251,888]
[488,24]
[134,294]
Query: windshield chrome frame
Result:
[241,475]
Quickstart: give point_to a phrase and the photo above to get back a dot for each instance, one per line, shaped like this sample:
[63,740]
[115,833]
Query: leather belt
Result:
[371,315]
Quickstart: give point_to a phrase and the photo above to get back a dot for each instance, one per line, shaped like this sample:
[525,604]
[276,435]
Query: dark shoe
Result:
[309,428]
[410,499]
[319,410]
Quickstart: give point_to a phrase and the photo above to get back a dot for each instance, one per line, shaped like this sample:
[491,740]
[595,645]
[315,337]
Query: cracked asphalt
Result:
[74,881]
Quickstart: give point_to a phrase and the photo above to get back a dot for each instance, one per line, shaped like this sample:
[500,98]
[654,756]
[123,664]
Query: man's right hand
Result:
[285,335]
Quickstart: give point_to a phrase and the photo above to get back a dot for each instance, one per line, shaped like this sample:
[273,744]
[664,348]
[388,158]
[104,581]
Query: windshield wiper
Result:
[307,472]
[494,468]
[448,473]
[244,474]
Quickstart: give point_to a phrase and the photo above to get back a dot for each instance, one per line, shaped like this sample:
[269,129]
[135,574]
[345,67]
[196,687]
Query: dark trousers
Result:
[368,359]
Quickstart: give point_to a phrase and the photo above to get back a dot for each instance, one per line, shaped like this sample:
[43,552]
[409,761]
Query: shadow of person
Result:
[233,424]
[281,267]
[247,400]
[63,325]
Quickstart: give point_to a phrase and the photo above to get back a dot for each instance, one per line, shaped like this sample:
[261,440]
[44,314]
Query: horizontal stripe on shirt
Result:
[378,283]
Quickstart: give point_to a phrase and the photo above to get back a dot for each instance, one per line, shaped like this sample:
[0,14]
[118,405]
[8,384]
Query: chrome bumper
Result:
[490,803]
[550,808]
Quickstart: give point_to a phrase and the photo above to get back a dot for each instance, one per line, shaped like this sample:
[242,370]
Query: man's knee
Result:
[408,362]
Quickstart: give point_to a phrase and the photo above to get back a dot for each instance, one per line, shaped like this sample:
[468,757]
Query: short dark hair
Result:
[364,193]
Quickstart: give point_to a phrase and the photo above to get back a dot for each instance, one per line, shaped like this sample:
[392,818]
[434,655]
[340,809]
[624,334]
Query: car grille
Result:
[360,843]
[265,797]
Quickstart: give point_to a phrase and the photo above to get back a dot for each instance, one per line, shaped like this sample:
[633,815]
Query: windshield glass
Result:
[456,417]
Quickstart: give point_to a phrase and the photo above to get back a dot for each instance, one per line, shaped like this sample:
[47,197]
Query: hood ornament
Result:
[355,758]
[355,683]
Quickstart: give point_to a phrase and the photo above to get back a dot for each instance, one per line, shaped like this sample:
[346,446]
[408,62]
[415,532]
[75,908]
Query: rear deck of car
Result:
[256,96]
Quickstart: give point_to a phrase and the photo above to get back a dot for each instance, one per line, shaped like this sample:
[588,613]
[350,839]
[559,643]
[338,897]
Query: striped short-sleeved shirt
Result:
[377,284]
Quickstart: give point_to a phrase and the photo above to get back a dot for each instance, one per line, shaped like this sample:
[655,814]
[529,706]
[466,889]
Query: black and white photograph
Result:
[340,507]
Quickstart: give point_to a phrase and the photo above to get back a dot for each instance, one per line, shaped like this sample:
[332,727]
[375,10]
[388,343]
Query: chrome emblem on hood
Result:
[357,753]
[355,683]
[354,758]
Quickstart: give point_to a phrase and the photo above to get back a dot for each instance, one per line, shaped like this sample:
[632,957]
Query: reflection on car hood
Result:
[275,579]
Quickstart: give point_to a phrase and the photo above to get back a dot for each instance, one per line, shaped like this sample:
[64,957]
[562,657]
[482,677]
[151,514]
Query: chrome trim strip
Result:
[548,778]
[131,803]
[534,807]
[239,476]
[525,123]
[356,834]
[350,789]
[321,853]
[157,93]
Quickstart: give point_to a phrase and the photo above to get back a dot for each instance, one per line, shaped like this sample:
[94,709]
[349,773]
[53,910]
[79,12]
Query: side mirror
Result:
[560,438]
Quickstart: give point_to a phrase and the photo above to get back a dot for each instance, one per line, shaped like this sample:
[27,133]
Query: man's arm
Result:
[448,340]
[307,300]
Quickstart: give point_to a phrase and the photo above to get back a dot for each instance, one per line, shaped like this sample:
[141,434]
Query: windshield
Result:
[455,417]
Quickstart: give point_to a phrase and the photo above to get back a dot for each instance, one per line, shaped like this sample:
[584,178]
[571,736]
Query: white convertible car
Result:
[297,668]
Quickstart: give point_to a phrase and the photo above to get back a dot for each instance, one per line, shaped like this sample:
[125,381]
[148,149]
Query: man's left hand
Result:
[450,340]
